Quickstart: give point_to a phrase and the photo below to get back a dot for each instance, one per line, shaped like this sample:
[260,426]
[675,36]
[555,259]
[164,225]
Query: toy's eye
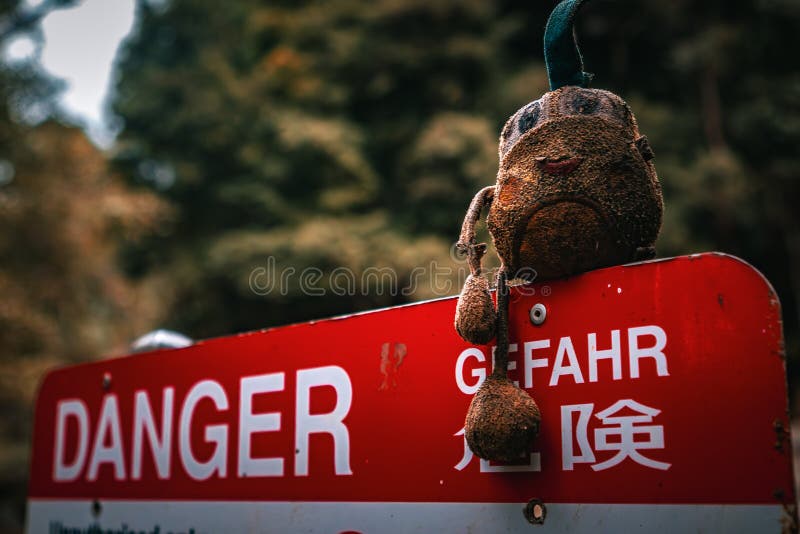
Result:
[528,117]
[584,103]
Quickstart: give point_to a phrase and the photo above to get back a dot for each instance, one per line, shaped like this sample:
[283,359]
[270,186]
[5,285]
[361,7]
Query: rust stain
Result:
[392,356]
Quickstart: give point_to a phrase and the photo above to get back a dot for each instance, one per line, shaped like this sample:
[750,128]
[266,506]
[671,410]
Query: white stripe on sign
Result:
[196,517]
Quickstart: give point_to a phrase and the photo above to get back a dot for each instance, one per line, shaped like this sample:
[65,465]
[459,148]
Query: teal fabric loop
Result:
[561,54]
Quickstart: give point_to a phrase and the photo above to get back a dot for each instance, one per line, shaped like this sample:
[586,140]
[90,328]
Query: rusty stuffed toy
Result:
[576,190]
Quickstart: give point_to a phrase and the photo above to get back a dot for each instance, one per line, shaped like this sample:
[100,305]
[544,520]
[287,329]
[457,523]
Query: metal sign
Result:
[662,387]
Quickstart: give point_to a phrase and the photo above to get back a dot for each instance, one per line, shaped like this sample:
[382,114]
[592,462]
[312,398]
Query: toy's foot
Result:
[475,314]
[502,421]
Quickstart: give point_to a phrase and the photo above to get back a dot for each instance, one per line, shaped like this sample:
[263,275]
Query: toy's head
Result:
[576,189]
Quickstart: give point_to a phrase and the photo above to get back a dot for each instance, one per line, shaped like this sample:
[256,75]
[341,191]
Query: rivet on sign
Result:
[538,313]
[535,512]
[96,508]
[106,380]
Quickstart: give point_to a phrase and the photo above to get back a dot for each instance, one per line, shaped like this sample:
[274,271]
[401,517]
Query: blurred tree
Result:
[267,124]
[62,294]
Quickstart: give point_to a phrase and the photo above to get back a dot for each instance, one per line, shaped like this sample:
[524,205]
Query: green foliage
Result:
[361,122]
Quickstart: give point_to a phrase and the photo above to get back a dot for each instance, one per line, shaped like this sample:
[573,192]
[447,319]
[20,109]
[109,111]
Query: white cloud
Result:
[80,45]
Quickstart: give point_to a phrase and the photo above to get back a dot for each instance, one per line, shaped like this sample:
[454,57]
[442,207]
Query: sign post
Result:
[662,387]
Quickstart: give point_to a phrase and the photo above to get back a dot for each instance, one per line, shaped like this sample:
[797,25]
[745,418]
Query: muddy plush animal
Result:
[576,190]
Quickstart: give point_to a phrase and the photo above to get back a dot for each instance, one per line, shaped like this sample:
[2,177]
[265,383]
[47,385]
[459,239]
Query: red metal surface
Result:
[717,399]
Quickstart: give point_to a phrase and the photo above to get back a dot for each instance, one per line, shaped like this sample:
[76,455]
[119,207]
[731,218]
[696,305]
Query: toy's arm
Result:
[476,317]
[466,241]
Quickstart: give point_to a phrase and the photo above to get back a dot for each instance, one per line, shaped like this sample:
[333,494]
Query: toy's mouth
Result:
[565,235]
[562,165]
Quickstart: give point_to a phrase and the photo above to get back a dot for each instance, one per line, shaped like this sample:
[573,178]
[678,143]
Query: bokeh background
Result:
[347,134]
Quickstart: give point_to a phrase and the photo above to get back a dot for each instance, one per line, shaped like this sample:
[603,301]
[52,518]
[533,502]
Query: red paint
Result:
[725,390]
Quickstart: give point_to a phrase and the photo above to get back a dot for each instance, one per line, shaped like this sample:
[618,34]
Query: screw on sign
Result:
[535,512]
[538,313]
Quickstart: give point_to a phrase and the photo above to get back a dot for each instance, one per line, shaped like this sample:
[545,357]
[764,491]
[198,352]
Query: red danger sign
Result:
[662,388]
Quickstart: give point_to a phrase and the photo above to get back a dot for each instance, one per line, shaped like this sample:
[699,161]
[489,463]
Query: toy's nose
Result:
[561,165]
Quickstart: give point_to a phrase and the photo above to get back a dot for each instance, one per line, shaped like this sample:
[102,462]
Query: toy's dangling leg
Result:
[475,315]
[501,352]
[502,420]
